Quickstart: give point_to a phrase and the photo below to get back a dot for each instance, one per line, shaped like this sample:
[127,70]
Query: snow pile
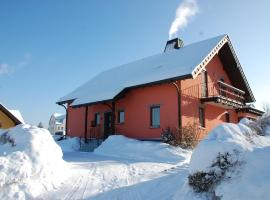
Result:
[125,148]
[249,150]
[30,162]
[69,144]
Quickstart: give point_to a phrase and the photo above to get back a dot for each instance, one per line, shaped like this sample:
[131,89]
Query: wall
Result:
[191,94]
[137,105]
[5,121]
[76,117]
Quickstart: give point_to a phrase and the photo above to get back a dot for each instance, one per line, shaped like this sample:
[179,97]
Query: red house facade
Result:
[201,84]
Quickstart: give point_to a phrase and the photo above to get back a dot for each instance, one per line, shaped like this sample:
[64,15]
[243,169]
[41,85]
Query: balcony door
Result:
[204,84]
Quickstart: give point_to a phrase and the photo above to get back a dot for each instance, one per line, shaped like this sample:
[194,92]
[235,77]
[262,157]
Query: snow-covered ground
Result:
[123,168]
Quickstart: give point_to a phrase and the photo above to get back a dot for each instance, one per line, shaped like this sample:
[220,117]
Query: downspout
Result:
[85,124]
[177,85]
[113,117]
[66,116]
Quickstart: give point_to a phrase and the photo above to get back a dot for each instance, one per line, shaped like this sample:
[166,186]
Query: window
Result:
[155,116]
[227,117]
[97,118]
[121,116]
[201,117]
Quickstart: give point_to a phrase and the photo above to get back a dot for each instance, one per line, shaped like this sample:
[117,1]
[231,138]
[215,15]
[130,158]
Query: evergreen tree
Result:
[40,125]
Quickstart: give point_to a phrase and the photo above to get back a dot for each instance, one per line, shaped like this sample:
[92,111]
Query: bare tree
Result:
[266,108]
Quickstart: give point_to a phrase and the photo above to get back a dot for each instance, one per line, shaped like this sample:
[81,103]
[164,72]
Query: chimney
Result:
[175,43]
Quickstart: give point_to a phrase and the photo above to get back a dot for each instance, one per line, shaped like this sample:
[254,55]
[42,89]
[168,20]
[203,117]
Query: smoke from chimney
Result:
[184,12]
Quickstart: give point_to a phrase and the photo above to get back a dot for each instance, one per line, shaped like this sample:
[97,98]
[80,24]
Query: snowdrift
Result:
[30,162]
[69,144]
[126,148]
[248,149]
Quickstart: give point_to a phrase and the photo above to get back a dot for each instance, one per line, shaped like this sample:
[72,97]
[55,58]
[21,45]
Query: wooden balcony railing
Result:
[94,132]
[224,91]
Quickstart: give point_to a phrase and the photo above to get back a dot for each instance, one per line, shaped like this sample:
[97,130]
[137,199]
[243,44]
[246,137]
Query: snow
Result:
[30,163]
[167,65]
[69,144]
[124,168]
[18,115]
[250,149]
[122,147]
[139,172]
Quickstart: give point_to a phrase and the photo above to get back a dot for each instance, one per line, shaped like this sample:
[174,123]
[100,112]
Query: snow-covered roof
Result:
[59,118]
[18,115]
[15,115]
[168,65]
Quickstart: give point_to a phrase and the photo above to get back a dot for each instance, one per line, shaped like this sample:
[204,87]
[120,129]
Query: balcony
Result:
[223,95]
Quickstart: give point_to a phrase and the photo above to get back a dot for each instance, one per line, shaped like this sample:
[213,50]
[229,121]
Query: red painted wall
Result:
[137,102]
[76,121]
[137,105]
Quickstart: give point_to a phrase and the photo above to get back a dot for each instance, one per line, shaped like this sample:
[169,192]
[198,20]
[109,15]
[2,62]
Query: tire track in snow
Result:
[91,172]
[74,189]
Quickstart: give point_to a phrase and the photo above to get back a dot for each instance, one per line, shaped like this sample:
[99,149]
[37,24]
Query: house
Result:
[57,124]
[202,84]
[9,118]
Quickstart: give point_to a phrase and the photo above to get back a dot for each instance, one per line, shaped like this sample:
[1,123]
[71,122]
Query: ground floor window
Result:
[201,116]
[121,116]
[155,116]
[97,118]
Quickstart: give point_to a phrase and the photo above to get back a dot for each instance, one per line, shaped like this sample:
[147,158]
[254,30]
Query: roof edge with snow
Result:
[14,118]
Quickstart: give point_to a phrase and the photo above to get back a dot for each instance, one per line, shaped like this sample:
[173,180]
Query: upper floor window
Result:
[121,116]
[155,116]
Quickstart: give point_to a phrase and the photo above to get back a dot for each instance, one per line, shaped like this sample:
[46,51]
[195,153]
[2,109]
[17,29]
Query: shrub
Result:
[190,135]
[202,181]
[167,135]
[187,137]
[5,138]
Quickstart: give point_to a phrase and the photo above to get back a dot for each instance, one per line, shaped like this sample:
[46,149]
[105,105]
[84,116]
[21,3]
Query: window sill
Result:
[202,127]
[122,123]
[154,127]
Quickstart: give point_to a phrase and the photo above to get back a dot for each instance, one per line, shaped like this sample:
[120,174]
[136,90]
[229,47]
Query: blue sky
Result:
[48,48]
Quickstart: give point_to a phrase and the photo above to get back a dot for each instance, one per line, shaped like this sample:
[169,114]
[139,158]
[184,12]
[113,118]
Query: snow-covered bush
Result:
[5,138]
[232,158]
[205,181]
[30,164]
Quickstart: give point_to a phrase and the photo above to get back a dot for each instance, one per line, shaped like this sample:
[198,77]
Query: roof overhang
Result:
[251,110]
[125,90]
